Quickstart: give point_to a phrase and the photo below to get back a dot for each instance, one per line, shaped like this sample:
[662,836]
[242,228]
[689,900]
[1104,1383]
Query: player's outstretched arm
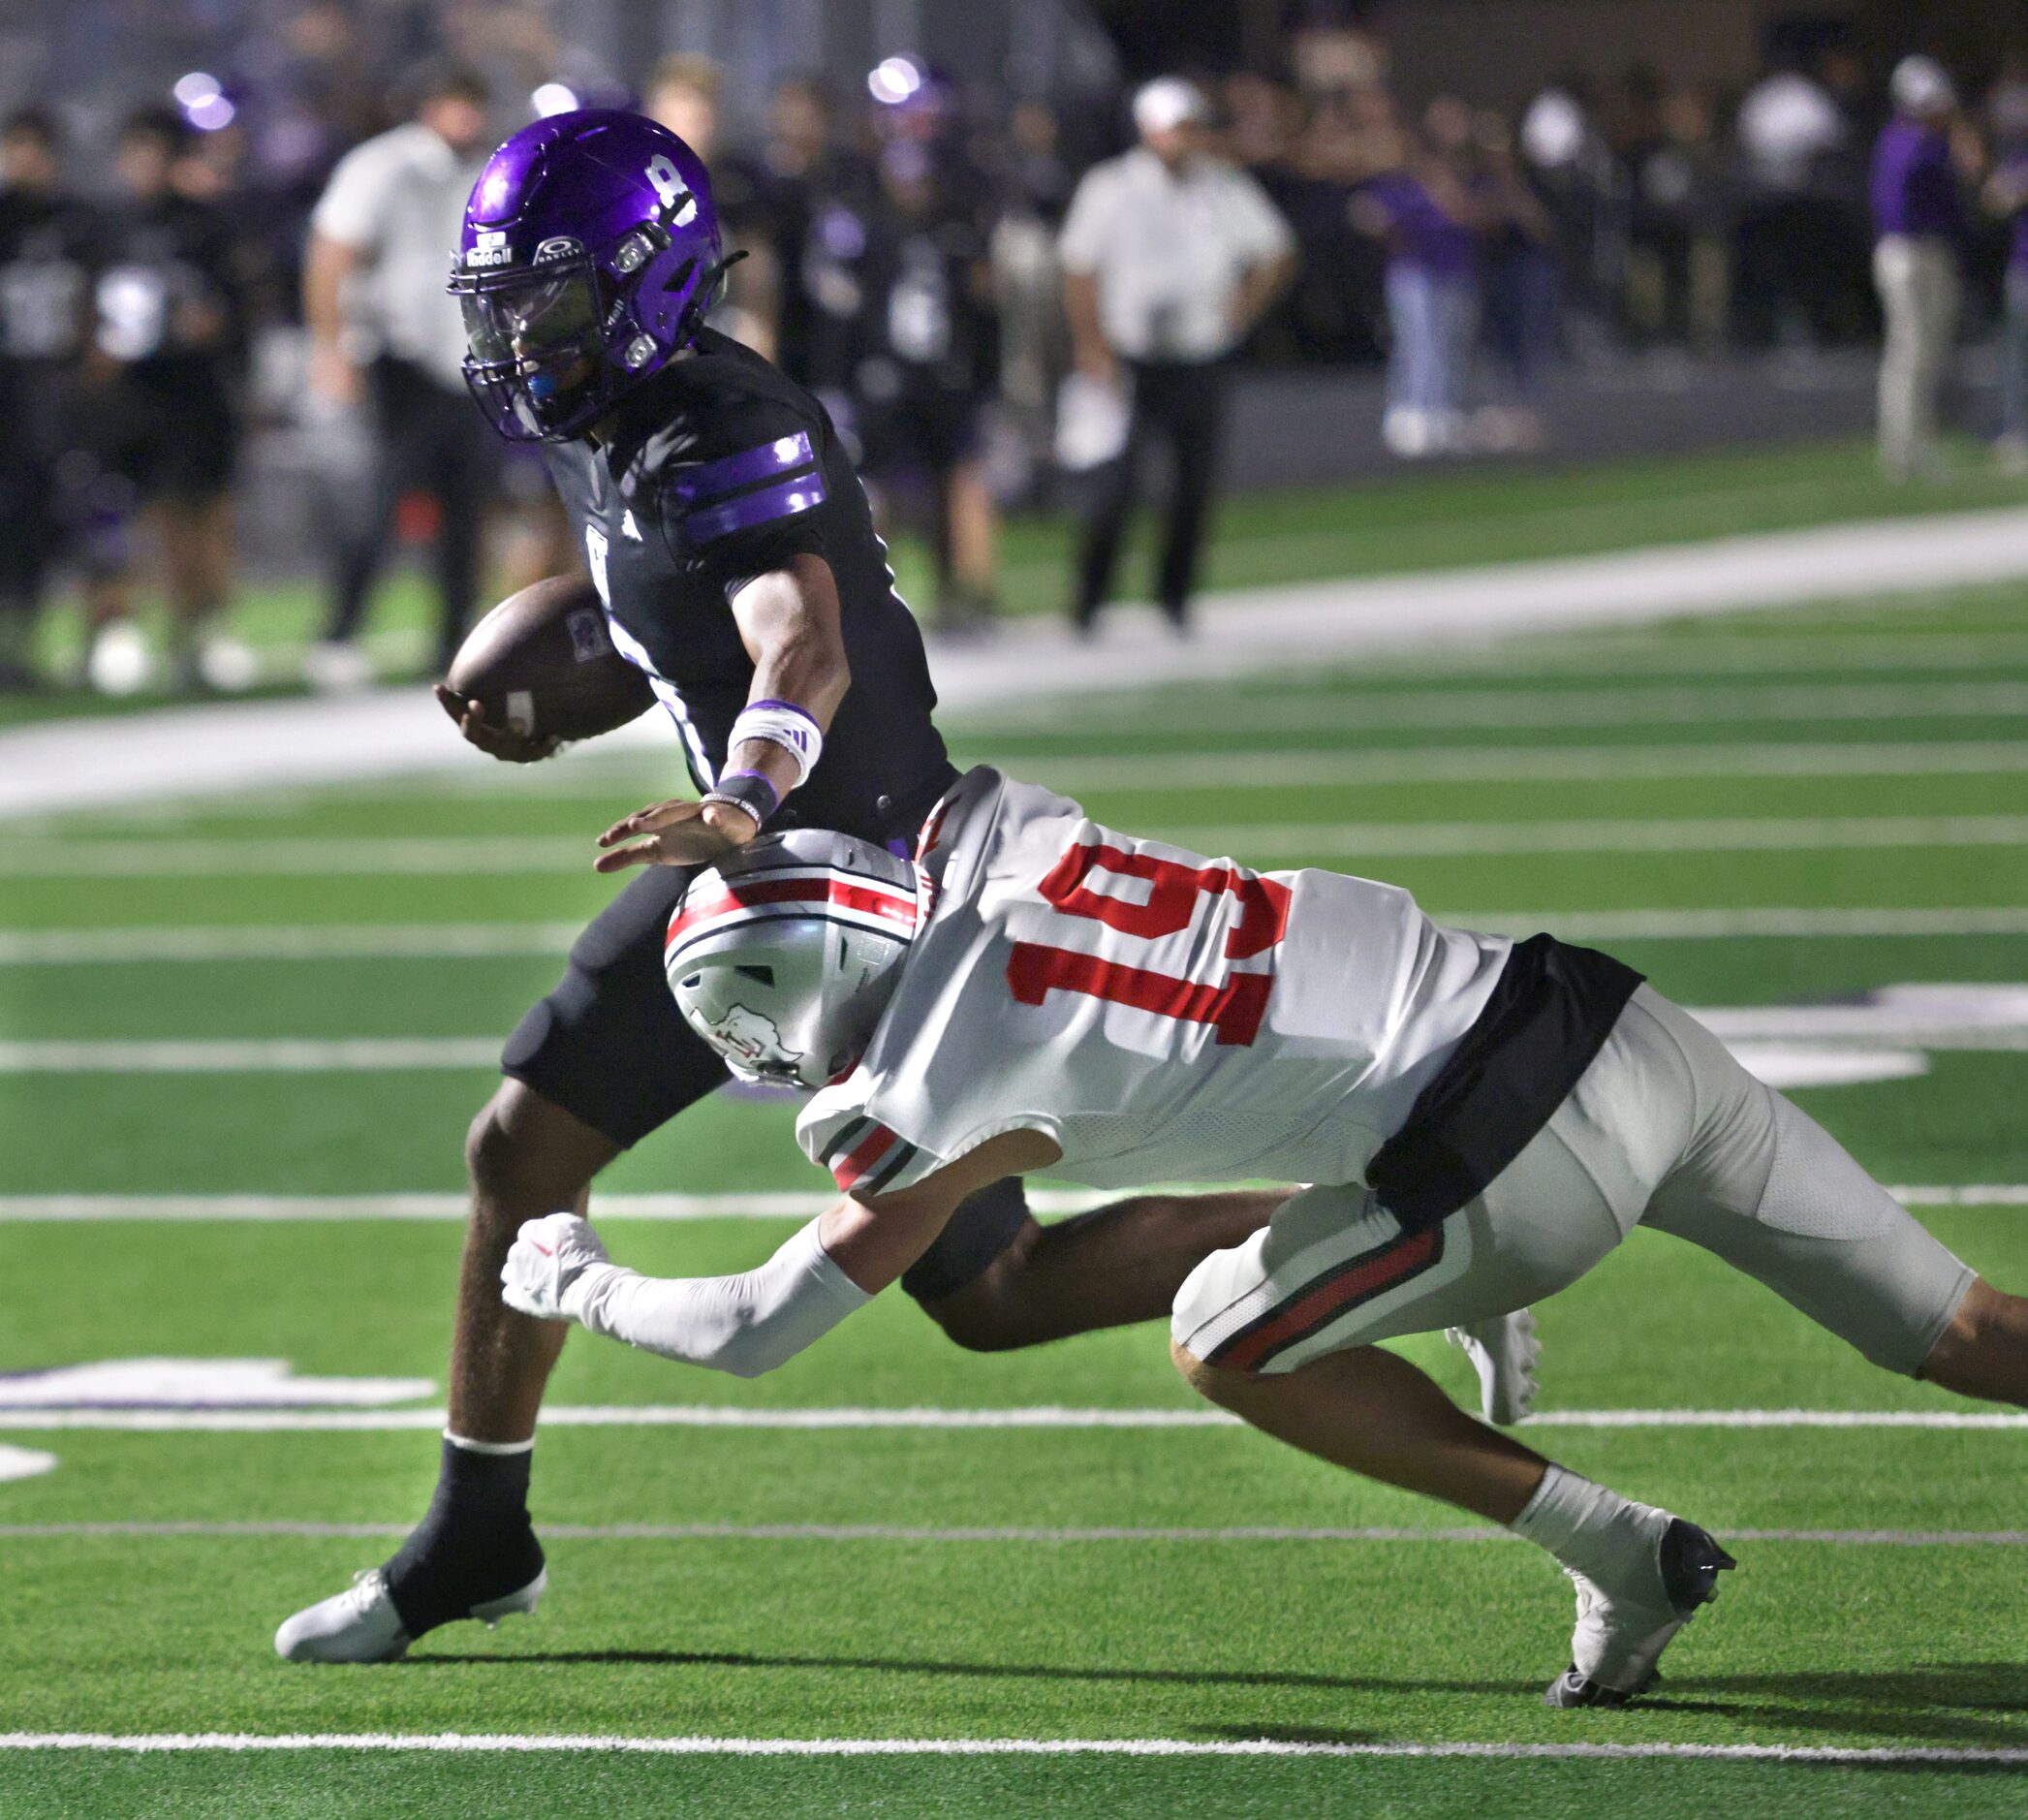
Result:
[752,1321]
[790,622]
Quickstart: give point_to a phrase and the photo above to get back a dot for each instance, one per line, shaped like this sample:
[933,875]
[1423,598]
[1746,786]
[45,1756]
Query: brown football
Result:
[542,663]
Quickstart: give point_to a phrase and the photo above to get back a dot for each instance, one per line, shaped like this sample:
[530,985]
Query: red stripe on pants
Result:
[1367,1277]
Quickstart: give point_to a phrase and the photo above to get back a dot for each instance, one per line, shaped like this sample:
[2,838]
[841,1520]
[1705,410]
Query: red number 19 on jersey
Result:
[1232,1004]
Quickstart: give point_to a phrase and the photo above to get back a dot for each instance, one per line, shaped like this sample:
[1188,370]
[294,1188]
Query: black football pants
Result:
[1183,405]
[428,440]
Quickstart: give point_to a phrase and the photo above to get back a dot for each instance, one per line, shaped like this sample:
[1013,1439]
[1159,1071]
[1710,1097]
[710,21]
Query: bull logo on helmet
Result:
[752,1039]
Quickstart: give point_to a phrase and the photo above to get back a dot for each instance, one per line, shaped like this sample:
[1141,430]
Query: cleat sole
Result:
[520,1603]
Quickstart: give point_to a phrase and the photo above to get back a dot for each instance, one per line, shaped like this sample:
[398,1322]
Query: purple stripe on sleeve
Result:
[784,501]
[787,708]
[714,477]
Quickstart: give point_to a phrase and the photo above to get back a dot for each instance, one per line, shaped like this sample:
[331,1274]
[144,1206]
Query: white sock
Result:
[469,1446]
[1589,1527]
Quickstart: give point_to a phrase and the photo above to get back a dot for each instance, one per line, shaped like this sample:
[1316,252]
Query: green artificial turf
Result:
[929,1629]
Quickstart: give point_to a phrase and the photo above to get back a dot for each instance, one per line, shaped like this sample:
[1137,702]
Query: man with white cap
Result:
[1170,254]
[1919,221]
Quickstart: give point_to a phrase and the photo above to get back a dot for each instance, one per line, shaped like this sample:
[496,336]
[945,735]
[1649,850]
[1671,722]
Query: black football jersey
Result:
[723,471]
[168,291]
[899,303]
[45,253]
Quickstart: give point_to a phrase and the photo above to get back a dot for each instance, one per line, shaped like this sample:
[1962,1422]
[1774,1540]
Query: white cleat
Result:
[361,1624]
[1503,1351]
[119,662]
[333,666]
[1622,1630]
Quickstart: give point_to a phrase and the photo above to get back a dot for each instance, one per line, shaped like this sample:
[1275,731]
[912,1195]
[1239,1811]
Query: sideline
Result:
[117,761]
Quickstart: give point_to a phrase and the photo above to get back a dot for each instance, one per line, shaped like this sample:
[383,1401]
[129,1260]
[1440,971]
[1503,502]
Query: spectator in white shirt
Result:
[1171,255]
[385,337]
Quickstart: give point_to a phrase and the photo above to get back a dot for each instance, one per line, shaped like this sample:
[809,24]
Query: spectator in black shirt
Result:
[45,295]
[907,333]
[165,376]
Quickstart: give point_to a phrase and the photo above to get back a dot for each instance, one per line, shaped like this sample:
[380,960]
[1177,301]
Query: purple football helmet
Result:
[588,259]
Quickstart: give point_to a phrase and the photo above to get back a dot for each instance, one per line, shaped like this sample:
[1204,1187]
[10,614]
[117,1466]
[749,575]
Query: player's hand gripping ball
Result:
[541,669]
[547,1265]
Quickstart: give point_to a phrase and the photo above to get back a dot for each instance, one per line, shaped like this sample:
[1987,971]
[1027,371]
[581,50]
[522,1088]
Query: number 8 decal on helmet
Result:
[670,187]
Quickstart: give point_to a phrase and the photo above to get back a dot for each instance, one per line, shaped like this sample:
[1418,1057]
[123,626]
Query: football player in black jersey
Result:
[731,543]
[45,241]
[167,369]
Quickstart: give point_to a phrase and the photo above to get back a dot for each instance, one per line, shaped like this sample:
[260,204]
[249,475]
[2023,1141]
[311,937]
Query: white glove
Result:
[554,1263]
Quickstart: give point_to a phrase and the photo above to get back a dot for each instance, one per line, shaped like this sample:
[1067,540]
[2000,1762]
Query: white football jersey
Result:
[1161,1016]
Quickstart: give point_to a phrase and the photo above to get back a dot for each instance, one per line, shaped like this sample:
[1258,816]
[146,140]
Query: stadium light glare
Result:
[196,89]
[552,98]
[893,80]
[212,113]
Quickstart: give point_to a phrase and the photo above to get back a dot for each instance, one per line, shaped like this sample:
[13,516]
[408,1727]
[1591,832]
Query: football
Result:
[542,663]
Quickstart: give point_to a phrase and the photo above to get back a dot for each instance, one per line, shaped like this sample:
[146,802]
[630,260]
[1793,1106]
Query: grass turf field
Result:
[869,1575]
[1417,522]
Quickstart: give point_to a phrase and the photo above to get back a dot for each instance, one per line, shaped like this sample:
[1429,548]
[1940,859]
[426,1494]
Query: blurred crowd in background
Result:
[179,277]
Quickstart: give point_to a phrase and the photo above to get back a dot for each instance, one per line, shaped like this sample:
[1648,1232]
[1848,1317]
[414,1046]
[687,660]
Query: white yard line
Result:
[305,941]
[1653,654]
[157,944]
[75,1209]
[1650,654]
[572,1744]
[181,752]
[1284,768]
[1718,925]
[289,1209]
[1683,834]
[1362,709]
[1046,1416]
[1047,1535]
[296,856]
[456,856]
[269,1056]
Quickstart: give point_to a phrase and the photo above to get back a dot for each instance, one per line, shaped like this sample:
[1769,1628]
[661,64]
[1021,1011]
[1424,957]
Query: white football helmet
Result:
[784,958]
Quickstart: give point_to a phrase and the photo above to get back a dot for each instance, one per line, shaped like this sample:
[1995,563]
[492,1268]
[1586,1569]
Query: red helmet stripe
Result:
[746,893]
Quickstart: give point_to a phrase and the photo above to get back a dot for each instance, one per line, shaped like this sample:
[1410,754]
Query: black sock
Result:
[474,1542]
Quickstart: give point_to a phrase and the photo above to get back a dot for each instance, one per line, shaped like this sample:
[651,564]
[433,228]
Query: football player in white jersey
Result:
[1475,1123]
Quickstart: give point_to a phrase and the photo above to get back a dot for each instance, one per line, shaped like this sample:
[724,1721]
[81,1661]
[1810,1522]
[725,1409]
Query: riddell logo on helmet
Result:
[490,248]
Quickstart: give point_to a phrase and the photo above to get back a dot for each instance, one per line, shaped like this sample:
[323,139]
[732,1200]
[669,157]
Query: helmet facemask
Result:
[537,358]
[541,359]
[786,967]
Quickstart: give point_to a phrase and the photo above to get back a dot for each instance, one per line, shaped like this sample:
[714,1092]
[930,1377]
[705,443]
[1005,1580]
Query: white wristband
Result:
[782,724]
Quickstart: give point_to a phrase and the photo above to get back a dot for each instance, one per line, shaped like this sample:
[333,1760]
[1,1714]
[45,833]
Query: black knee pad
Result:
[607,1045]
[984,1226]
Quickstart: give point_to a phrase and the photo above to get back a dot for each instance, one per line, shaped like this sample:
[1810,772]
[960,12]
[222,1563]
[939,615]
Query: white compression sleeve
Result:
[745,1324]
